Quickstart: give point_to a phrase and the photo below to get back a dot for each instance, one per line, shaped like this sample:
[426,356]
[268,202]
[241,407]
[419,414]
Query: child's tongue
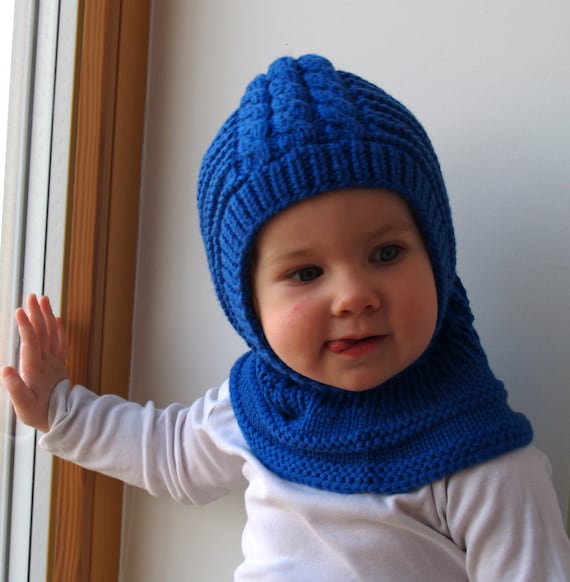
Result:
[341,345]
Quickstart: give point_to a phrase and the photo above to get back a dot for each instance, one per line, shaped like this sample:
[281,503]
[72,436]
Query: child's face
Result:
[344,287]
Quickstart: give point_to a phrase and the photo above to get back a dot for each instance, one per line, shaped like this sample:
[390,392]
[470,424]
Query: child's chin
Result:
[358,387]
[364,382]
[358,384]
[351,381]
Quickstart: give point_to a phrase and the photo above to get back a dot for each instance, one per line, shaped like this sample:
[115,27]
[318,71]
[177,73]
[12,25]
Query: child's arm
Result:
[505,514]
[183,452]
[42,362]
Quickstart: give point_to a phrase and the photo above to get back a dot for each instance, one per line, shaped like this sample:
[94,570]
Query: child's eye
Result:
[306,274]
[386,254]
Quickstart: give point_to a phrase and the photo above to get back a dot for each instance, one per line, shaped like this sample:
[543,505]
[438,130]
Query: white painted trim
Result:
[54,254]
[37,175]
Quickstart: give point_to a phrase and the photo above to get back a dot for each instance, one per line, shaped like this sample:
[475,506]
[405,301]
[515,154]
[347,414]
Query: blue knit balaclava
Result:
[302,129]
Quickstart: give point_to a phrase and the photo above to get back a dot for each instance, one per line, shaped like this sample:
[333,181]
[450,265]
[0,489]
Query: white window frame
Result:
[37,170]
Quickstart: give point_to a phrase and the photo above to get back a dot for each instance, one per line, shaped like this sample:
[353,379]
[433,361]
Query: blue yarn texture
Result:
[304,128]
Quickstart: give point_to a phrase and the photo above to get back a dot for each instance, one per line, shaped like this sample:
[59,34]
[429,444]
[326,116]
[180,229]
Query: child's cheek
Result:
[299,308]
[296,318]
[288,321]
[288,328]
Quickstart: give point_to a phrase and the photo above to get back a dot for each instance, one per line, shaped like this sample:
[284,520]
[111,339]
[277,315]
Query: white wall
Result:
[490,80]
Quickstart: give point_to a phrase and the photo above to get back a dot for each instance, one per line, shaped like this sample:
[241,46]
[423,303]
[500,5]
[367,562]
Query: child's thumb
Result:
[7,373]
[15,386]
[24,400]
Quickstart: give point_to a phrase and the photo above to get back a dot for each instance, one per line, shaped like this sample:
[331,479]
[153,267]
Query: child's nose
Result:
[355,294]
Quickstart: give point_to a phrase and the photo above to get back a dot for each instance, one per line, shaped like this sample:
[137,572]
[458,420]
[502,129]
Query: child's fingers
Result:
[37,319]
[53,332]
[39,329]
[30,345]
[62,340]
[42,362]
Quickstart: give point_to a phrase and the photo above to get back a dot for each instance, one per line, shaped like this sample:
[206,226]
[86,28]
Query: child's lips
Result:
[355,346]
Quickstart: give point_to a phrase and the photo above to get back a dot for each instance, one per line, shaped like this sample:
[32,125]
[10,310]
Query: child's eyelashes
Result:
[306,274]
[386,253]
[383,255]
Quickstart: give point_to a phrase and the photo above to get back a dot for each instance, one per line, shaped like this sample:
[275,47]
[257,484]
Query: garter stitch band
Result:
[302,129]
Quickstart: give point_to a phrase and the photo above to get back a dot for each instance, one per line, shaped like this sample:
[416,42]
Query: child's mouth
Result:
[353,345]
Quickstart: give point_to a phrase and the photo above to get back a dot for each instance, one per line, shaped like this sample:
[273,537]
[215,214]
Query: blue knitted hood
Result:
[302,129]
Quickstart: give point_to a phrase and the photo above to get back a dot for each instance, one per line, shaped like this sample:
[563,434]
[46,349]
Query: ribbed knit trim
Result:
[233,223]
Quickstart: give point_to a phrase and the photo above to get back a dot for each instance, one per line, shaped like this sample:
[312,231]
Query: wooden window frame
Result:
[100,263]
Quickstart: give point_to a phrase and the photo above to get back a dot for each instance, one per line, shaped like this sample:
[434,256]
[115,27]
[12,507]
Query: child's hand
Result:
[42,362]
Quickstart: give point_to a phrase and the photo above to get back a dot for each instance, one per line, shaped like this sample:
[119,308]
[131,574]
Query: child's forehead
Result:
[367,205]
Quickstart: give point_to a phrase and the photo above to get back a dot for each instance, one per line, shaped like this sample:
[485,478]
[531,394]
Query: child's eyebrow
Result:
[398,228]
[283,256]
[403,228]
[301,253]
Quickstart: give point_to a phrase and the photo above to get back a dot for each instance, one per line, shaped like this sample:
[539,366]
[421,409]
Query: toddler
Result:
[374,441]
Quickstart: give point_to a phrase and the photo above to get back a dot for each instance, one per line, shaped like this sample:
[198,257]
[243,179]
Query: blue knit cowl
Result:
[302,129]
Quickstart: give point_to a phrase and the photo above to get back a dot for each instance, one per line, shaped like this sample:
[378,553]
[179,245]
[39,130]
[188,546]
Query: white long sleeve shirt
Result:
[497,521]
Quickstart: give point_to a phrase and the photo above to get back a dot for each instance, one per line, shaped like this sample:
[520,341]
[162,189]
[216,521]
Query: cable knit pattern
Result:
[301,129]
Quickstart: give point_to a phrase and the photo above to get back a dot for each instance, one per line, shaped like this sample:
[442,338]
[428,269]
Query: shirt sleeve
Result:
[506,517]
[190,454]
